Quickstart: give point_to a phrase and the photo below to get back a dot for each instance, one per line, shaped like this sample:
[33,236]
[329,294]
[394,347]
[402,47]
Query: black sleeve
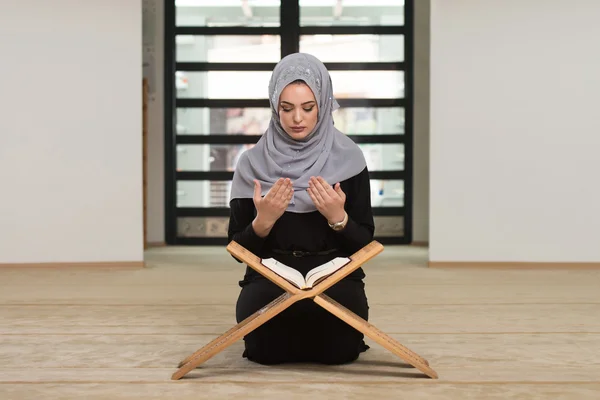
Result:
[360,228]
[240,229]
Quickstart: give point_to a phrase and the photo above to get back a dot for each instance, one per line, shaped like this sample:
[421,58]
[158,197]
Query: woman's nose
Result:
[297,117]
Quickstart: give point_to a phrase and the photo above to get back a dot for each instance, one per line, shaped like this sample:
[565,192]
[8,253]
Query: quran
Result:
[313,276]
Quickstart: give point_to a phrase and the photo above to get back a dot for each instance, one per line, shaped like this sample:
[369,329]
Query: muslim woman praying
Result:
[301,195]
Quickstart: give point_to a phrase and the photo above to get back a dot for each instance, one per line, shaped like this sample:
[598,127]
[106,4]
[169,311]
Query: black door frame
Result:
[290,38]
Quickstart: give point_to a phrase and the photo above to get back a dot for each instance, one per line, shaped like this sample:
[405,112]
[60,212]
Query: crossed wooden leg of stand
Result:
[292,295]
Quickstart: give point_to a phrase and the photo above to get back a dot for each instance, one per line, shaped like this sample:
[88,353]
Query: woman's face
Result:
[298,112]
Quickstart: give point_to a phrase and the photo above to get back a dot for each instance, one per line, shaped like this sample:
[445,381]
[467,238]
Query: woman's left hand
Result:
[329,201]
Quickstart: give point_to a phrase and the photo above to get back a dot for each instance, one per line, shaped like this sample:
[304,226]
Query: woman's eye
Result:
[291,109]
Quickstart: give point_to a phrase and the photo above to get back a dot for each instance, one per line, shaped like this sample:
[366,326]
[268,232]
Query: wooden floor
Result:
[119,334]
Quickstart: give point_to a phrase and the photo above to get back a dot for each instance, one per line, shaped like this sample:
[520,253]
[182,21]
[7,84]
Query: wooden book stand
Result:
[294,294]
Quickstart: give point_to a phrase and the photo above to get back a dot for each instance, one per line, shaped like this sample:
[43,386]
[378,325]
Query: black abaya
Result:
[305,332]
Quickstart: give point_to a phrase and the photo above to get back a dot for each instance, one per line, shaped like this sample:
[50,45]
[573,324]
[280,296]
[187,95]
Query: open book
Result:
[313,276]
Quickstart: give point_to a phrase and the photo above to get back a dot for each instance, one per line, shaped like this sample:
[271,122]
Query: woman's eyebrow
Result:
[291,104]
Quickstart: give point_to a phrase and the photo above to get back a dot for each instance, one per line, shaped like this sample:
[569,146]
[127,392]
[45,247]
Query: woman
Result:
[302,196]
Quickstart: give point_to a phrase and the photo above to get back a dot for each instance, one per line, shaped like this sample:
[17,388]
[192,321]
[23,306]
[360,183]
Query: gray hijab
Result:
[325,152]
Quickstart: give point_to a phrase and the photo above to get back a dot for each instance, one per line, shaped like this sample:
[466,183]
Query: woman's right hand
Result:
[272,206]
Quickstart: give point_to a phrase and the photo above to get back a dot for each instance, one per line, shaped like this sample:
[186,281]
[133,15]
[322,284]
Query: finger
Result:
[285,188]
[317,191]
[313,198]
[282,188]
[257,194]
[274,188]
[320,189]
[287,194]
[339,191]
[324,183]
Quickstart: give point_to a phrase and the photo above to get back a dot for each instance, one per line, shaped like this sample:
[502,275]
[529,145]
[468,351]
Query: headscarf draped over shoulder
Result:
[325,152]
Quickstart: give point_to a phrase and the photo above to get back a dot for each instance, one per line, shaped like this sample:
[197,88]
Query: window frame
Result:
[290,43]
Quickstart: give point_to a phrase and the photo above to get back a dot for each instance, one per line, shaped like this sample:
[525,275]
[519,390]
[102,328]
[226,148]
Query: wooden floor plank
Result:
[378,294]
[515,354]
[319,390]
[214,319]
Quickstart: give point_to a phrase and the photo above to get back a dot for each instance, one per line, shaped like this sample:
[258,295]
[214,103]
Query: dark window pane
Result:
[255,84]
[384,193]
[203,193]
[224,157]
[351,12]
[265,48]
[202,227]
[226,13]
[370,121]
[389,226]
[254,121]
[354,48]
[368,84]
[384,157]
[223,84]
[387,193]
[221,121]
[209,157]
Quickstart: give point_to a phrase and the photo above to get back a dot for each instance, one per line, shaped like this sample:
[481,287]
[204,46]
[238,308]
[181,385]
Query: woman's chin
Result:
[297,135]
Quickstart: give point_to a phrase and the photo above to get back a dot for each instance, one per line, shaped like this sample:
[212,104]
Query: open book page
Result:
[316,274]
[312,277]
[290,274]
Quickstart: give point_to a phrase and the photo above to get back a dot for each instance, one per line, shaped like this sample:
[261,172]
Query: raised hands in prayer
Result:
[272,206]
[328,200]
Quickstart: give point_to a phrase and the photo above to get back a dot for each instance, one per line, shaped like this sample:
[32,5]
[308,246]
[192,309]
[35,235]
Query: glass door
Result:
[219,57]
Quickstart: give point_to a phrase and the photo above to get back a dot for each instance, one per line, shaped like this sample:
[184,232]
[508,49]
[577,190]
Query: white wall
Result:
[515,136]
[70,131]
